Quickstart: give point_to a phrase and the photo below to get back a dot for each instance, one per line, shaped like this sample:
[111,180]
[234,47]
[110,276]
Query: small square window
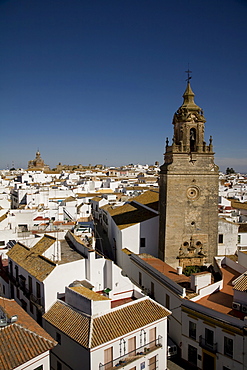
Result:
[58,338]
[220,238]
[142,242]
[39,367]
[228,347]
[192,330]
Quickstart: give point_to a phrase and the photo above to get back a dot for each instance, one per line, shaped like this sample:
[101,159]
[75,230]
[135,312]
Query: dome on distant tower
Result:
[37,163]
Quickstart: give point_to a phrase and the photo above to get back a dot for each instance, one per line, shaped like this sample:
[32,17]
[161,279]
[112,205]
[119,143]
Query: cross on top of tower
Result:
[188,73]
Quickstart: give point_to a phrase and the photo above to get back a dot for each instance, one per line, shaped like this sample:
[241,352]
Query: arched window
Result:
[192,139]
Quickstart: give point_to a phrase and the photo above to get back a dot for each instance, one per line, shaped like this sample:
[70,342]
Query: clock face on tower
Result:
[193,192]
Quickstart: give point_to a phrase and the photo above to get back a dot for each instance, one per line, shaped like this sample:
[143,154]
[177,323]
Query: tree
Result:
[229,170]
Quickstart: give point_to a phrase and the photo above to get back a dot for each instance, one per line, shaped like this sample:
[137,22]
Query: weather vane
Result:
[188,73]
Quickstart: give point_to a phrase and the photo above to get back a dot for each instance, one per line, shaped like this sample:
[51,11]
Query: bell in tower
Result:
[188,202]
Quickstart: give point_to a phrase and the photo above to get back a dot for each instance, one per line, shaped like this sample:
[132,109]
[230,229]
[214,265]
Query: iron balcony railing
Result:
[14,280]
[132,355]
[19,283]
[212,347]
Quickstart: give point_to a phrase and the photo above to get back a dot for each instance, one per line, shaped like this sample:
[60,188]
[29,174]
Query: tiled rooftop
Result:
[32,261]
[165,269]
[23,340]
[130,214]
[91,332]
[241,283]
[90,294]
[120,302]
[221,301]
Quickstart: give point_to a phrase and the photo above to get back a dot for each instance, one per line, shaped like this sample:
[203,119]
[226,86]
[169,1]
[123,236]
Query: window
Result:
[58,337]
[220,238]
[39,367]
[132,346]
[239,239]
[192,354]
[143,242]
[108,358]
[38,290]
[167,301]
[22,280]
[10,268]
[16,273]
[2,243]
[59,365]
[17,293]
[209,337]
[30,306]
[140,278]
[152,363]
[152,290]
[152,337]
[228,347]
[192,329]
[30,284]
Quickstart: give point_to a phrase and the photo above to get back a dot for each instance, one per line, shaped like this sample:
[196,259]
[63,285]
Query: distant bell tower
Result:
[188,202]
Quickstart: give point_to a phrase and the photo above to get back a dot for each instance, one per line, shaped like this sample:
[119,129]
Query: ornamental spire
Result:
[189,98]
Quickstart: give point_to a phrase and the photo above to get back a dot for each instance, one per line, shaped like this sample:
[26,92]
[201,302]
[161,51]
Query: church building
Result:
[188,200]
[37,163]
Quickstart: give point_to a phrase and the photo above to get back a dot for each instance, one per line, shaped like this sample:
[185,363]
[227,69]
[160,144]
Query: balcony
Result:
[20,283]
[14,280]
[37,301]
[124,360]
[211,347]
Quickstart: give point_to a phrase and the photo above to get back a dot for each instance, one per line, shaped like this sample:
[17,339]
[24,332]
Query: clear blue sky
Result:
[98,81]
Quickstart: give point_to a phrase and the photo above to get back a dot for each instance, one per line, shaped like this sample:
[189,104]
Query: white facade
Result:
[228,237]
[137,349]
[211,340]
[39,362]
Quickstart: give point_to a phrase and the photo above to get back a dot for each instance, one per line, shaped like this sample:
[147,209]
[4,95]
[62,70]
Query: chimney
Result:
[179,270]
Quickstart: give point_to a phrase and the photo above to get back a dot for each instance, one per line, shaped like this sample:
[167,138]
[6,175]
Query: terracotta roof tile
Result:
[69,321]
[23,340]
[106,327]
[11,308]
[241,283]
[132,213]
[19,345]
[31,259]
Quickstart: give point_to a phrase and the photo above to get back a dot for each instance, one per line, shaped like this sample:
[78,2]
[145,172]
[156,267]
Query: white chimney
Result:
[179,270]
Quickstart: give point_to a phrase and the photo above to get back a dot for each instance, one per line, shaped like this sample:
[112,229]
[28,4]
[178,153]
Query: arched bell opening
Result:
[192,139]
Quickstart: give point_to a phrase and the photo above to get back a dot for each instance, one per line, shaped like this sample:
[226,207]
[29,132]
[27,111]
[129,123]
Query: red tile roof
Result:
[221,301]
[22,340]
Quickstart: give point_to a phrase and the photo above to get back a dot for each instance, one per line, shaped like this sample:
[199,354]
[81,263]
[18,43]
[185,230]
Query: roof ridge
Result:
[20,326]
[32,332]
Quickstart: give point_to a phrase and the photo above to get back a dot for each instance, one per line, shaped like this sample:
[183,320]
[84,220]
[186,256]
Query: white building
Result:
[134,225]
[40,273]
[214,326]
[101,333]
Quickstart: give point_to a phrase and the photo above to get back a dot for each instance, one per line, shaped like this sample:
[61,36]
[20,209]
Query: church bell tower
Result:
[188,202]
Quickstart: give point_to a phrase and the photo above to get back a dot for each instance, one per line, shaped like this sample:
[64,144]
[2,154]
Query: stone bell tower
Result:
[188,202]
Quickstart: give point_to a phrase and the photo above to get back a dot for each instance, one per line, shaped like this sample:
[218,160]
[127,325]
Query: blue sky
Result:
[98,81]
